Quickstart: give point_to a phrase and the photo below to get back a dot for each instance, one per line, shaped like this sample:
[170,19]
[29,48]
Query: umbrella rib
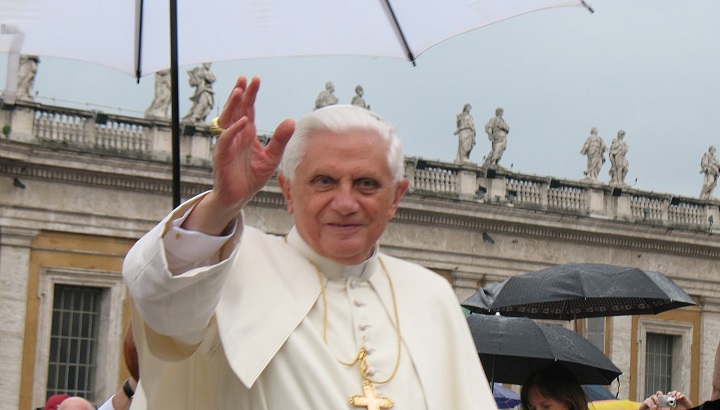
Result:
[138,57]
[587,6]
[410,55]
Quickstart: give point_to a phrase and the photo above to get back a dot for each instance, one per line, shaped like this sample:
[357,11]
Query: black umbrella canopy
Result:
[598,392]
[510,348]
[580,290]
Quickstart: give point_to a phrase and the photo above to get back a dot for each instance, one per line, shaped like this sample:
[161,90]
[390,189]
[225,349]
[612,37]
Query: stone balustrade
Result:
[111,134]
[105,133]
[503,187]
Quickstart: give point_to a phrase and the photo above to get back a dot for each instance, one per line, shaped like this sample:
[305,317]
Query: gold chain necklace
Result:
[369,399]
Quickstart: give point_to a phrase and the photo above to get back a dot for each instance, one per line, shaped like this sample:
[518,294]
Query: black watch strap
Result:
[129,392]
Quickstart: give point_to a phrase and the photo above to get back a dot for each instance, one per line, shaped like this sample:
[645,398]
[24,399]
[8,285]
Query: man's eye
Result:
[322,180]
[367,183]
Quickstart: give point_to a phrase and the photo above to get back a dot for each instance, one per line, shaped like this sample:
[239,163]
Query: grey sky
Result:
[648,67]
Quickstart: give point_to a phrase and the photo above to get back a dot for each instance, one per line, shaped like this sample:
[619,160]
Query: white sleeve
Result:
[185,250]
[174,294]
[108,405]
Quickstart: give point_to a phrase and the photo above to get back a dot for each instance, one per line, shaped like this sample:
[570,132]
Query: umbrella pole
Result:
[492,376]
[138,40]
[175,85]
[575,322]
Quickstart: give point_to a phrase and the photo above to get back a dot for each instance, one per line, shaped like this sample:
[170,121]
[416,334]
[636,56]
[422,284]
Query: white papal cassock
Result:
[246,330]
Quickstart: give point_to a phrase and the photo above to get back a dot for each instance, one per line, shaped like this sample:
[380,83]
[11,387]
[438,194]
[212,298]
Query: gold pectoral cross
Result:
[369,398]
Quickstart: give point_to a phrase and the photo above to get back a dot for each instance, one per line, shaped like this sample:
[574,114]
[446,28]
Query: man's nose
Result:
[345,201]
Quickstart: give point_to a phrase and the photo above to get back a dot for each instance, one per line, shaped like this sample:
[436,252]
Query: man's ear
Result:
[400,190]
[285,186]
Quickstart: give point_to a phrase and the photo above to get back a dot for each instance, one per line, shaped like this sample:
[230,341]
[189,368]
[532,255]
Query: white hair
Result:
[340,119]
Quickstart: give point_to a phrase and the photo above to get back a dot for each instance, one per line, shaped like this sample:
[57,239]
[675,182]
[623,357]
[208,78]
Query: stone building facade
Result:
[78,188]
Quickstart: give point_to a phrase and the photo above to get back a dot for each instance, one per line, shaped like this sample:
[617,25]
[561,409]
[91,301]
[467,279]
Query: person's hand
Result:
[681,402]
[648,404]
[121,400]
[242,165]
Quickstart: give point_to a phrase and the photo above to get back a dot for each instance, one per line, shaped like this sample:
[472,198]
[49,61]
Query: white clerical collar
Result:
[329,268]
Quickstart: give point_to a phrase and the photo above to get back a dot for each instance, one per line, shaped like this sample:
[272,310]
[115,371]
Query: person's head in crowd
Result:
[552,387]
[54,401]
[76,403]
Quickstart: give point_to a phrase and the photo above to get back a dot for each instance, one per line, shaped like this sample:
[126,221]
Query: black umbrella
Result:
[510,348]
[598,392]
[580,290]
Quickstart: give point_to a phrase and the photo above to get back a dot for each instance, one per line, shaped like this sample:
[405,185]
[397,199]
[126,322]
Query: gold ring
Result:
[215,128]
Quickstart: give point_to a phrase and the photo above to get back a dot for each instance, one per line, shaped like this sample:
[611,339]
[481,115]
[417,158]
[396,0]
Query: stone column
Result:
[14,267]
[410,167]
[467,184]
[21,124]
[596,202]
[712,213]
[620,329]
[709,339]
[200,148]
[621,207]
[495,189]
[160,138]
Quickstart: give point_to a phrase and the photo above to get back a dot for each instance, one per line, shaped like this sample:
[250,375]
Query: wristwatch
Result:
[129,392]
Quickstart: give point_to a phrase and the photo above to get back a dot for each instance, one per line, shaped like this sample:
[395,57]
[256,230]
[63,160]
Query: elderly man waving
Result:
[229,317]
